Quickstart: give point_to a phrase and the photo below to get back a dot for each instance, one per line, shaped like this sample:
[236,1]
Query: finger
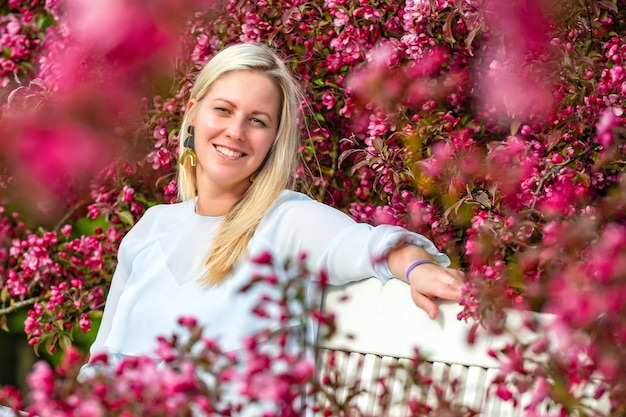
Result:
[425,304]
[450,286]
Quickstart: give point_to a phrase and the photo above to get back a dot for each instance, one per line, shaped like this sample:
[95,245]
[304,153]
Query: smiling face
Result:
[235,126]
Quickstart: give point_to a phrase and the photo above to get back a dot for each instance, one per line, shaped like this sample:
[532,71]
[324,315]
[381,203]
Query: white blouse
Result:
[162,257]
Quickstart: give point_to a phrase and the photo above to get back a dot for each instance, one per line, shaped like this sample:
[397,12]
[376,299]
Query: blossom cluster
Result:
[57,275]
[20,39]
[495,128]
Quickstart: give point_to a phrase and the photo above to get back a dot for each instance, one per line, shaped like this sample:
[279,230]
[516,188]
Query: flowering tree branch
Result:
[19,304]
[555,168]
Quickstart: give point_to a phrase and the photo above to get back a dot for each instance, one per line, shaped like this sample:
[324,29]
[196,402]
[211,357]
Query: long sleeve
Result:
[332,241]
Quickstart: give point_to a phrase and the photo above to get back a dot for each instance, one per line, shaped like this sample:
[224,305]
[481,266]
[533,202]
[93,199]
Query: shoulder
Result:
[158,219]
[291,197]
[293,206]
[290,201]
[167,211]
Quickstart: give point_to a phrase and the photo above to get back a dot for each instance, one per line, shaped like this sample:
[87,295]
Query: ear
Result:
[190,105]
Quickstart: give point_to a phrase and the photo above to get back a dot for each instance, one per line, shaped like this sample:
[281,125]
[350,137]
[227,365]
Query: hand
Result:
[430,281]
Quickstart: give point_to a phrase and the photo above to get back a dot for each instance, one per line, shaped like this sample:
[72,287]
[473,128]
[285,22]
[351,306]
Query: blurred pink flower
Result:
[514,92]
[61,155]
[605,126]
[516,82]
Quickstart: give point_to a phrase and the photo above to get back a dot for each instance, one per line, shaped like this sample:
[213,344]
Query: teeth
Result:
[228,152]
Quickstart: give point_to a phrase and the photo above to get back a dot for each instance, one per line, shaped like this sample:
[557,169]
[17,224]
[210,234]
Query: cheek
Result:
[265,143]
[263,152]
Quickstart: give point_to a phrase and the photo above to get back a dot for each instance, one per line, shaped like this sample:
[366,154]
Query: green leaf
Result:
[95,315]
[45,21]
[454,208]
[552,138]
[470,37]
[515,127]
[359,165]
[447,28]
[142,199]
[172,133]
[87,227]
[126,217]
[378,143]
[483,199]
[585,179]
[608,5]
[27,66]
[319,117]
[65,342]
[594,54]
[466,119]
[44,340]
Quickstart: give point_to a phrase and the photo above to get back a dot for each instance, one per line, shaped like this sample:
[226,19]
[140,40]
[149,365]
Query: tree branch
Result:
[19,304]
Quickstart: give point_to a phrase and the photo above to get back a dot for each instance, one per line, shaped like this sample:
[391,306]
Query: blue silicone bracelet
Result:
[416,264]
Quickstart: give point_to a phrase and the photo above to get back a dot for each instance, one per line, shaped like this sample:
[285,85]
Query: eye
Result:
[223,110]
[258,121]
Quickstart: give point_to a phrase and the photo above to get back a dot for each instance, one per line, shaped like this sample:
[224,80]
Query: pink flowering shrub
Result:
[58,276]
[189,374]
[495,128]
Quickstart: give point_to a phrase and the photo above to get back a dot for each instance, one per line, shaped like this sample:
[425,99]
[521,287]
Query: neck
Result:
[215,206]
[212,202]
[215,200]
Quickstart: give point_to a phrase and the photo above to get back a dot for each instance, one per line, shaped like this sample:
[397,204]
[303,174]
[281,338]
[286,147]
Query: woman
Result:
[237,161]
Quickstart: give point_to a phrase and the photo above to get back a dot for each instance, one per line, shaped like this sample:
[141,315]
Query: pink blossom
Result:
[341,17]
[504,393]
[328,100]
[604,128]
[89,408]
[188,322]
[128,193]
[41,379]
[264,258]
[303,370]
[61,154]
[384,215]
[84,324]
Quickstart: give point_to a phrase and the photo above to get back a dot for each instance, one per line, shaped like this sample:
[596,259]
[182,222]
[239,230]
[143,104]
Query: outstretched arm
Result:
[427,280]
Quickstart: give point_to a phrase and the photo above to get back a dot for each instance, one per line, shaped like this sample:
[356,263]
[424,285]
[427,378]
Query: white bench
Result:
[378,329]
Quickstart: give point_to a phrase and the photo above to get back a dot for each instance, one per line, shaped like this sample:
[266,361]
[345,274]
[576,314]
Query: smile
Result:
[228,152]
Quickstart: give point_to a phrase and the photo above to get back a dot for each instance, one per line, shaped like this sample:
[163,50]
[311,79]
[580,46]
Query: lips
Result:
[228,152]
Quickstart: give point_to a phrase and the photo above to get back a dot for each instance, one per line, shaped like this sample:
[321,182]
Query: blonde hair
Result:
[276,173]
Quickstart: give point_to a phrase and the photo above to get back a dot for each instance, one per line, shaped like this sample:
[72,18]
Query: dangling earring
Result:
[253,177]
[189,152]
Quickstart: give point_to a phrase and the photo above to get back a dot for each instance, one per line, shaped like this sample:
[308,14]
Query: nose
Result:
[235,129]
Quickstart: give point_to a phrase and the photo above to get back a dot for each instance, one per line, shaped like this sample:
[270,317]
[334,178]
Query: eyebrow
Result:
[256,112]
